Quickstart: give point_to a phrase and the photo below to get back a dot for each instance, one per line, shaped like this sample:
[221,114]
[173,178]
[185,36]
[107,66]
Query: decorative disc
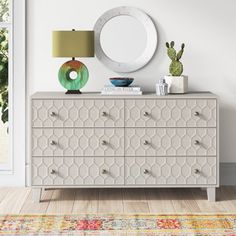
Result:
[73,66]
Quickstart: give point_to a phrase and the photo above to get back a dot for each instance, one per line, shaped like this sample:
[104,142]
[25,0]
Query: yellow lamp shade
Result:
[73,44]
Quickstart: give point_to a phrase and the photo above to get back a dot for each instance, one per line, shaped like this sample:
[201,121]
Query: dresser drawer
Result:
[170,142]
[68,171]
[78,113]
[170,171]
[78,142]
[170,113]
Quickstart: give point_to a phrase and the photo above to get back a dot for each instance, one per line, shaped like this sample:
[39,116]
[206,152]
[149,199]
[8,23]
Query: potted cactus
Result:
[177,82]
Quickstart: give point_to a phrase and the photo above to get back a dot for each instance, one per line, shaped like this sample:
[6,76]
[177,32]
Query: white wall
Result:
[208,27]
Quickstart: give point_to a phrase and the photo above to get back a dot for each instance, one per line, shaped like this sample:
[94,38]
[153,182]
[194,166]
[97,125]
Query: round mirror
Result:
[125,39]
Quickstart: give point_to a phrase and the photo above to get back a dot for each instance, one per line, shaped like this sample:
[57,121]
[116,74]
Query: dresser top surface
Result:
[97,95]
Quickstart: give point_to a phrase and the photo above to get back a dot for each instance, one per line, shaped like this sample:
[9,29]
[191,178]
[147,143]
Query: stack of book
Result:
[112,90]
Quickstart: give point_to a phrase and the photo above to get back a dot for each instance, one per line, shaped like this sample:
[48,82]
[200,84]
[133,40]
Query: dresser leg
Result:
[211,194]
[36,194]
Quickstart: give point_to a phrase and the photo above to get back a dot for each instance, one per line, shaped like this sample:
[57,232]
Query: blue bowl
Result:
[121,82]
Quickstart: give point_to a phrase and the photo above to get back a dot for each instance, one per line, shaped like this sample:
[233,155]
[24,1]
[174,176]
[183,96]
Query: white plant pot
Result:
[177,84]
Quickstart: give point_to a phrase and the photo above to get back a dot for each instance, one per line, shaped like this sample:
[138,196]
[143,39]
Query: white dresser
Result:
[89,140]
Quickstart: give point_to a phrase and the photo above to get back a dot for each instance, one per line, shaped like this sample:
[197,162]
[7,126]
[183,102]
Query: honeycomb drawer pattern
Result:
[170,113]
[69,171]
[77,113]
[170,171]
[170,142]
[78,142]
[139,141]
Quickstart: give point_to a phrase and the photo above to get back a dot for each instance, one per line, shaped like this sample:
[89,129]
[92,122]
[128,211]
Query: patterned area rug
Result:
[140,225]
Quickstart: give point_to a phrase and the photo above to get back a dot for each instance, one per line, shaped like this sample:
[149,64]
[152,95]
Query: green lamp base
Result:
[73,92]
[73,85]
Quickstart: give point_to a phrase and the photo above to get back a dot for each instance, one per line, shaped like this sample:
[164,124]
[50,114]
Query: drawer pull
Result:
[104,142]
[146,171]
[53,172]
[196,142]
[53,114]
[53,143]
[104,172]
[104,114]
[196,113]
[146,143]
[197,171]
[146,114]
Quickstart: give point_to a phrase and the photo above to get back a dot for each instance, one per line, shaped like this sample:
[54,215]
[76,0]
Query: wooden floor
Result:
[18,200]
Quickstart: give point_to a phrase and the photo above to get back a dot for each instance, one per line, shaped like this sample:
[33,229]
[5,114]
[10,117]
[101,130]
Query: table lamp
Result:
[73,75]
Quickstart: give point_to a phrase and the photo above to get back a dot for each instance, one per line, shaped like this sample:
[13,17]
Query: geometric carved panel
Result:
[170,170]
[170,142]
[77,171]
[78,113]
[170,113]
[78,142]
[124,142]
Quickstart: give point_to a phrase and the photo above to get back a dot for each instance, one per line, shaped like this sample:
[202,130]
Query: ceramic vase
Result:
[177,84]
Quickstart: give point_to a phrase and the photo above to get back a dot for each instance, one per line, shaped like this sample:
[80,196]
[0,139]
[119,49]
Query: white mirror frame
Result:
[151,45]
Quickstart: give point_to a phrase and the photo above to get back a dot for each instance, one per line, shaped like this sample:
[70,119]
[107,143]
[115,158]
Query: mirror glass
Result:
[123,39]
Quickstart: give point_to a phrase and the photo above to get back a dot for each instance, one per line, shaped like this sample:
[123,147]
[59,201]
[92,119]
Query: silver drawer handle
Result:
[146,142]
[53,114]
[146,114]
[146,171]
[104,142]
[197,171]
[196,113]
[196,142]
[104,114]
[104,172]
[53,172]
[53,143]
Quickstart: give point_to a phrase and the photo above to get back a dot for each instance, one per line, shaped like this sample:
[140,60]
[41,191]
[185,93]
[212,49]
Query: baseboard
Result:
[228,174]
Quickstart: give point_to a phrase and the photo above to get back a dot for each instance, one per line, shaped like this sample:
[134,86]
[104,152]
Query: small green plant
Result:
[176,67]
